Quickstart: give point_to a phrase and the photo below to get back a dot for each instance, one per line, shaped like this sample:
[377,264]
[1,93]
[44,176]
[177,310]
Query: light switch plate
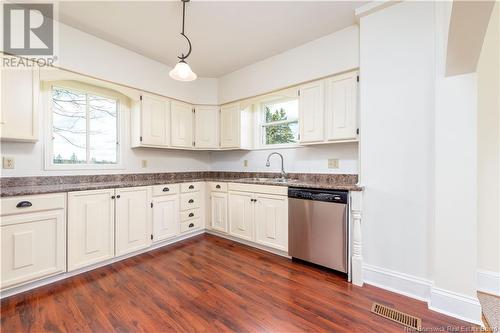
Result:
[245,163]
[8,162]
[333,163]
[144,163]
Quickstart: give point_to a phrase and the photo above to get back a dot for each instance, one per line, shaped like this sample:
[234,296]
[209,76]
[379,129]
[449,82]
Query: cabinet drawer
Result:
[190,214]
[190,187]
[159,190]
[190,200]
[218,187]
[32,203]
[190,225]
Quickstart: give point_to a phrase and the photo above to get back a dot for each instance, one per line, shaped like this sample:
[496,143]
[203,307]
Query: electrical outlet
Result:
[144,163]
[245,163]
[333,163]
[8,162]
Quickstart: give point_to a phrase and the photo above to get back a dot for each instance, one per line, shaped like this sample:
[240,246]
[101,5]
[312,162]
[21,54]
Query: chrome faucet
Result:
[268,163]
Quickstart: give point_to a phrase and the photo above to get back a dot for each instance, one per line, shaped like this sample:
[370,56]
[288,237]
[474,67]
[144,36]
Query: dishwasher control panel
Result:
[318,195]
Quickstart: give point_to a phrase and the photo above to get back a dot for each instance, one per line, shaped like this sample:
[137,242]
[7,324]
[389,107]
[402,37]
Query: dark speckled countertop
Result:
[15,186]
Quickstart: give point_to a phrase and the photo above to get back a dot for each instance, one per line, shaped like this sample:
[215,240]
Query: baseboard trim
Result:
[54,278]
[404,284]
[488,282]
[455,305]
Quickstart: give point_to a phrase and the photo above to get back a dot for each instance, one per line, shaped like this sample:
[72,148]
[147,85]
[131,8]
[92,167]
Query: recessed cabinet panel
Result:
[230,126]
[165,217]
[206,126]
[271,221]
[311,111]
[19,98]
[241,215]
[181,125]
[33,246]
[91,227]
[155,120]
[133,219]
[341,107]
[219,211]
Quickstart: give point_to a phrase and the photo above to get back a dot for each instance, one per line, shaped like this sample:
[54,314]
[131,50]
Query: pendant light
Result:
[182,71]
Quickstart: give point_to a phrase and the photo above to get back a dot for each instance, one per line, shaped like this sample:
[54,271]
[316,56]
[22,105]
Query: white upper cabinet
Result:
[155,121]
[181,125]
[206,124]
[341,107]
[91,227]
[311,111]
[230,126]
[20,89]
[133,219]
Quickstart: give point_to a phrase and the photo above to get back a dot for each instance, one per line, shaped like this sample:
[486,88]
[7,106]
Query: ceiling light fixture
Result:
[182,71]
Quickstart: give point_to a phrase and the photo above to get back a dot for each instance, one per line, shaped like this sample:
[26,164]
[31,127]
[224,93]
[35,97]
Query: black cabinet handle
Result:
[253,200]
[191,214]
[191,187]
[190,201]
[166,189]
[24,204]
[217,186]
[118,196]
[191,225]
[112,197]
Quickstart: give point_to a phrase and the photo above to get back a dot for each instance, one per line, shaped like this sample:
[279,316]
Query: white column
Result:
[357,256]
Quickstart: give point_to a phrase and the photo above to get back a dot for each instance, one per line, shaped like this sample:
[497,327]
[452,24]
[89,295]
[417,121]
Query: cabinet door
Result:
[206,126]
[19,97]
[311,111]
[341,107]
[155,121]
[165,217]
[241,215]
[219,211]
[133,219]
[33,246]
[271,221]
[230,126]
[91,227]
[182,125]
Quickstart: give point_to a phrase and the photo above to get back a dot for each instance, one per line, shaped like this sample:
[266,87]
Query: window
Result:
[280,125]
[84,125]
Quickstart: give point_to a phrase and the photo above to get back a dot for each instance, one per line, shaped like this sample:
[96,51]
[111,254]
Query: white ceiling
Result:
[226,35]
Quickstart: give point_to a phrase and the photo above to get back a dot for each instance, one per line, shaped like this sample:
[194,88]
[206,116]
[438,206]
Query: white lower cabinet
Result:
[191,205]
[91,227]
[241,215]
[133,219]
[165,217]
[33,238]
[271,221]
[219,211]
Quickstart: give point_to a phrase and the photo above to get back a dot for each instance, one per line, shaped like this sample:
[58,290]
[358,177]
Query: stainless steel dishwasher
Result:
[318,228]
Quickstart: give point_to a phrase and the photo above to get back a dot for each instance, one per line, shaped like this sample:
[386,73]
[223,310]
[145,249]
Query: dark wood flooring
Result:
[209,284]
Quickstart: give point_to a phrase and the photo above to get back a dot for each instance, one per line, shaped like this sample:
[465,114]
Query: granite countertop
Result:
[16,186]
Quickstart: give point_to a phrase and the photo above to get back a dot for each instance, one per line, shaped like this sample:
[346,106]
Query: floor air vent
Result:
[397,316]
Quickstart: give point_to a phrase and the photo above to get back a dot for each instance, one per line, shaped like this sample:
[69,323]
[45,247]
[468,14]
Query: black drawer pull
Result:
[166,189]
[217,186]
[118,196]
[191,187]
[24,204]
[191,214]
[191,225]
[190,201]
[112,197]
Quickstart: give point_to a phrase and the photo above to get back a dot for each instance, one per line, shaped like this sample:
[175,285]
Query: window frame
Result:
[261,122]
[82,87]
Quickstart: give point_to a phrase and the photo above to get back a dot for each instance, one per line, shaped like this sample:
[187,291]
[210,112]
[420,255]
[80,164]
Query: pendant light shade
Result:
[182,71]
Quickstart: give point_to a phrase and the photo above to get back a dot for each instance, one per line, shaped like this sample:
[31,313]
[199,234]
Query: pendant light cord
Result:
[182,57]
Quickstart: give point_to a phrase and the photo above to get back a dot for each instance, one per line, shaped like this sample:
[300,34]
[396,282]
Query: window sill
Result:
[69,167]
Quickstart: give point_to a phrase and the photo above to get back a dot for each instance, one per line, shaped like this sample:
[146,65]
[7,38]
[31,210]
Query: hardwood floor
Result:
[208,284]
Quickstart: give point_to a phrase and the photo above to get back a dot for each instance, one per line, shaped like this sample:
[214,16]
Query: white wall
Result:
[312,159]
[488,145]
[396,149]
[325,56]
